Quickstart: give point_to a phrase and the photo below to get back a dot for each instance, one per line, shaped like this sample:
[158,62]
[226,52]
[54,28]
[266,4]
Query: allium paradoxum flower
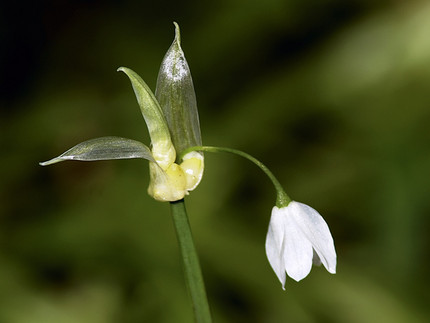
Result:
[297,237]
[173,124]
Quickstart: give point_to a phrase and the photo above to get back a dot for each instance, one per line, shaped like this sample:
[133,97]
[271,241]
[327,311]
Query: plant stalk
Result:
[192,271]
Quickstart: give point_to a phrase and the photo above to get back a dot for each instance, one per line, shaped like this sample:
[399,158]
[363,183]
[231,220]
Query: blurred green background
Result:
[332,95]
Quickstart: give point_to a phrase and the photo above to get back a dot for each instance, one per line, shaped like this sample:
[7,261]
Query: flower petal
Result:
[317,232]
[297,248]
[274,242]
[104,148]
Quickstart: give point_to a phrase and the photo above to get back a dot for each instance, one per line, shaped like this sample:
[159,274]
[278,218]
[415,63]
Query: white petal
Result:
[274,242]
[297,248]
[317,232]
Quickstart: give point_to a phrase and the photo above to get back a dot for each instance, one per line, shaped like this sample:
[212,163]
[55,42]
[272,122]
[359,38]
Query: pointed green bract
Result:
[175,94]
[104,148]
[162,147]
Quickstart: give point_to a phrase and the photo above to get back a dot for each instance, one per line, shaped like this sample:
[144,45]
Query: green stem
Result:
[282,198]
[193,274]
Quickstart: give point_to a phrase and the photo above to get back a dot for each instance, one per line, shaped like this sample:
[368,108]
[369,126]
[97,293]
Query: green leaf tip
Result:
[177,34]
[144,95]
[51,161]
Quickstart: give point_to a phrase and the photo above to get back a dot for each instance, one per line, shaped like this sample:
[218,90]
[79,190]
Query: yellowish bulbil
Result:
[167,185]
[164,153]
[193,167]
[172,183]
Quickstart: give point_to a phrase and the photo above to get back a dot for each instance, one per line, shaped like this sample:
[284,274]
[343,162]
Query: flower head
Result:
[297,237]
[173,124]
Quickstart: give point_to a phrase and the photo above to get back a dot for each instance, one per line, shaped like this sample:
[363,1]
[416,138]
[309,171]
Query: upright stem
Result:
[193,274]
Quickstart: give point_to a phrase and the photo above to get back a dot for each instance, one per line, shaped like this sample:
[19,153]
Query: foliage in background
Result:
[333,97]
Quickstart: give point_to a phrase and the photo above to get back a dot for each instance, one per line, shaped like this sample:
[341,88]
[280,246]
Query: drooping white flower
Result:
[297,237]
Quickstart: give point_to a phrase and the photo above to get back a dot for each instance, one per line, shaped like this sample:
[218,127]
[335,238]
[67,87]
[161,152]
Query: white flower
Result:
[297,237]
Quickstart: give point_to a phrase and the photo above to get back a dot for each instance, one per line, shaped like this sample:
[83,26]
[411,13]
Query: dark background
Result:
[332,95]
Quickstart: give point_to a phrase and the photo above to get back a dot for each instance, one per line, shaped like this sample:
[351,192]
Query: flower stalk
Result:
[282,199]
[190,260]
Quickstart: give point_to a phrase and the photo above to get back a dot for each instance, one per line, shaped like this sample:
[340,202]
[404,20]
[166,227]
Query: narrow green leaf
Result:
[176,96]
[104,148]
[163,150]
[151,110]
[190,260]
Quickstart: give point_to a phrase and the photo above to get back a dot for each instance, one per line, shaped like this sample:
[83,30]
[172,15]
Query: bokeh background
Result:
[332,95]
